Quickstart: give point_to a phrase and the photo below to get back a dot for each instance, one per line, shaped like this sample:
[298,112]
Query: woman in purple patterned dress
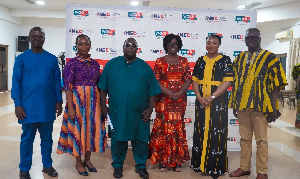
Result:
[83,130]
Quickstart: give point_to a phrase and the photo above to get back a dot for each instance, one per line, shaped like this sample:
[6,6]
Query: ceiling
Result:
[59,5]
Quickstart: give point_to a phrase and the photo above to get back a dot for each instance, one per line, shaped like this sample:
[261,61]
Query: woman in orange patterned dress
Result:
[168,138]
[82,130]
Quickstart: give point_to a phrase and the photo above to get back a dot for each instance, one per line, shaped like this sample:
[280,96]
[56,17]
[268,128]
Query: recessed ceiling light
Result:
[134,3]
[40,2]
[241,6]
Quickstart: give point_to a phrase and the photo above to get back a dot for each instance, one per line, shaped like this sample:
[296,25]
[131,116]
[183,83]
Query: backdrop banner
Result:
[109,26]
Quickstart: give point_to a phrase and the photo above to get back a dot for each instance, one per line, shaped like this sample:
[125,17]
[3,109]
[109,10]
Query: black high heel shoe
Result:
[85,173]
[90,169]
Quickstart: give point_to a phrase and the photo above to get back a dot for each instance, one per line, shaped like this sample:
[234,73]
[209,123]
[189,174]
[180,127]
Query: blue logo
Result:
[187,52]
[135,15]
[161,33]
[242,19]
[108,32]
[190,17]
[236,53]
[81,13]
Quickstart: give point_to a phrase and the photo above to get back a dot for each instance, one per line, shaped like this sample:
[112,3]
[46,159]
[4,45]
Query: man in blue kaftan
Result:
[36,91]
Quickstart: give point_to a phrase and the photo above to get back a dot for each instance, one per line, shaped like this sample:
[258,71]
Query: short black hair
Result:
[36,28]
[168,38]
[83,35]
[214,36]
[253,30]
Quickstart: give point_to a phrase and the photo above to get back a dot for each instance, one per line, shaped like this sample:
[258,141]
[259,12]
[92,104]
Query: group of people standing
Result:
[134,89]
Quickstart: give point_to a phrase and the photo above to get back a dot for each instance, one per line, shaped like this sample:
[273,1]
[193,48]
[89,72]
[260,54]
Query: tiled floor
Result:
[284,152]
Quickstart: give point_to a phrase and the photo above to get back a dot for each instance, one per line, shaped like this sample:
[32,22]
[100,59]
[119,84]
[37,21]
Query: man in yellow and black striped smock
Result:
[258,77]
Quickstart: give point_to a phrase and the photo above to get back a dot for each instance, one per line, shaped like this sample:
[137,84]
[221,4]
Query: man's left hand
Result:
[147,114]
[272,117]
[58,108]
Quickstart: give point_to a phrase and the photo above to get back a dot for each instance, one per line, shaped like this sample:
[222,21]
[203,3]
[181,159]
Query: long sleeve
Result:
[57,81]
[17,79]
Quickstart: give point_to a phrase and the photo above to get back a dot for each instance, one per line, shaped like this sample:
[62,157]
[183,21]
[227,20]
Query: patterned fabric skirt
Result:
[87,131]
[209,152]
[168,144]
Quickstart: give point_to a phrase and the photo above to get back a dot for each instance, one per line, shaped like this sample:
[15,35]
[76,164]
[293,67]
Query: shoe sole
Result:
[140,176]
[48,174]
[118,176]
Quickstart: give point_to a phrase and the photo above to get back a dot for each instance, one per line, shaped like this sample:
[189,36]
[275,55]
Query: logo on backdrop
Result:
[187,52]
[232,139]
[107,15]
[81,14]
[234,122]
[189,18]
[105,50]
[80,31]
[192,103]
[188,35]
[187,121]
[108,33]
[215,19]
[219,34]
[237,37]
[160,34]
[236,53]
[162,16]
[158,52]
[135,33]
[139,51]
[242,20]
[190,93]
[135,16]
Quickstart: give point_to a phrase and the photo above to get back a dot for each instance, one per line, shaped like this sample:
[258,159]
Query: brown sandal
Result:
[239,172]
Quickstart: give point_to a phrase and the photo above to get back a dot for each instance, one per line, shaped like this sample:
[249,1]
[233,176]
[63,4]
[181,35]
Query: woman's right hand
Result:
[202,101]
[71,113]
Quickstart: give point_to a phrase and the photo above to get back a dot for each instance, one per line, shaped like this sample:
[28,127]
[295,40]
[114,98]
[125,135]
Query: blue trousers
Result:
[119,151]
[26,146]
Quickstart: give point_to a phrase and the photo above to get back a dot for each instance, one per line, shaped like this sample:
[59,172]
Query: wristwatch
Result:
[213,97]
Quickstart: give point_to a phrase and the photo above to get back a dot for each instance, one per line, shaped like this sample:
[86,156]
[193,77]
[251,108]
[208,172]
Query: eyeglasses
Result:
[173,44]
[253,38]
[131,45]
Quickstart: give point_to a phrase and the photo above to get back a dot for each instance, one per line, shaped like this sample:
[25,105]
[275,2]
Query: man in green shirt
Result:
[131,86]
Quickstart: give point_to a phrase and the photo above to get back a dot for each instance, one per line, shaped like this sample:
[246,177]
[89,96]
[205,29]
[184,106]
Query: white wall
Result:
[10,29]
[55,33]
[268,31]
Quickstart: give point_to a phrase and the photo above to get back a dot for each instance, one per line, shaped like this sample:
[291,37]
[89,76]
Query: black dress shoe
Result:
[215,175]
[90,168]
[142,173]
[85,173]
[24,175]
[118,172]
[50,171]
